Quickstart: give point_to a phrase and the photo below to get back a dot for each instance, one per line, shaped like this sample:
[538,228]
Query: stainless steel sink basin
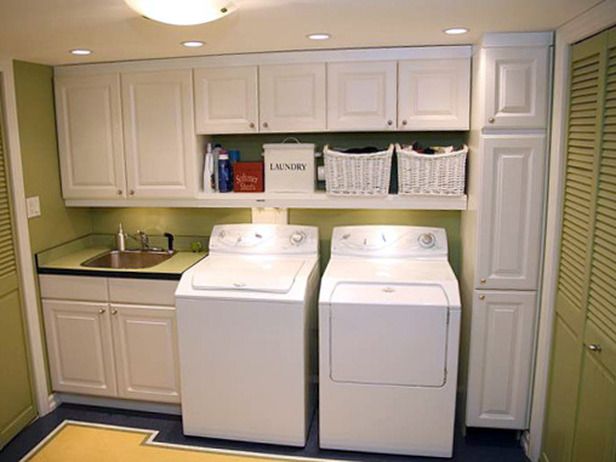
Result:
[128,259]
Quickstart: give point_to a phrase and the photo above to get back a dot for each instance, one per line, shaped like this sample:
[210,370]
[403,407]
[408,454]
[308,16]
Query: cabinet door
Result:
[89,120]
[516,87]
[161,147]
[434,94]
[509,232]
[80,347]
[226,100]
[501,358]
[361,96]
[146,352]
[292,97]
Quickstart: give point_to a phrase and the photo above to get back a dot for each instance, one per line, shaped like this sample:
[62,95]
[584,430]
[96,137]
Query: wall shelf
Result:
[317,200]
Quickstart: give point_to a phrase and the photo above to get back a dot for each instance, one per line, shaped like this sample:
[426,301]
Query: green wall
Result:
[39,151]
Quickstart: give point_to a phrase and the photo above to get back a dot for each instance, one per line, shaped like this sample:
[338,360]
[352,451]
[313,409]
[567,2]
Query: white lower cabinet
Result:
[146,352]
[111,349]
[501,357]
[79,344]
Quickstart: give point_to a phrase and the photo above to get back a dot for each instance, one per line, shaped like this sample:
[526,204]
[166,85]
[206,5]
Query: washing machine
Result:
[246,317]
[389,323]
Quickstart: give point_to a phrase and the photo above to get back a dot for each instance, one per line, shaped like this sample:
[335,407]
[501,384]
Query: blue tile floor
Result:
[477,446]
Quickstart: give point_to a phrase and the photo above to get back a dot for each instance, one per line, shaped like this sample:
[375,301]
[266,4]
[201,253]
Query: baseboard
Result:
[54,402]
[128,404]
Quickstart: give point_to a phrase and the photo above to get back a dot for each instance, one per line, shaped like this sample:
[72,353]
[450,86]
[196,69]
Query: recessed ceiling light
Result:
[456,30]
[81,52]
[193,43]
[319,36]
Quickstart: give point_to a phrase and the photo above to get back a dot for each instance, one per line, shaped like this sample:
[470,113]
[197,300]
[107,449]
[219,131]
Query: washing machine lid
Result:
[255,274]
[389,334]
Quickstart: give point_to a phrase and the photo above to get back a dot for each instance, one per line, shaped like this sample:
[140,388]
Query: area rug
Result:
[74,441]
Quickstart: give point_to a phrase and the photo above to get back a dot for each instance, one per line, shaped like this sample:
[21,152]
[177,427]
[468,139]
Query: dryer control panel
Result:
[390,241]
[262,239]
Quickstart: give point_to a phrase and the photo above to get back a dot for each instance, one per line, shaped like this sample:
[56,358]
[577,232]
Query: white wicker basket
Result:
[431,174]
[357,174]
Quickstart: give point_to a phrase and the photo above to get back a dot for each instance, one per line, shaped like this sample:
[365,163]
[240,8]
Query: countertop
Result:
[67,259]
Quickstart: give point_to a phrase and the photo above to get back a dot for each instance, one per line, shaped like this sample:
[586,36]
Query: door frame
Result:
[589,23]
[8,109]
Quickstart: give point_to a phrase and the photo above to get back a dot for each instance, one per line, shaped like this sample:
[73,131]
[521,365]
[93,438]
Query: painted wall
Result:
[37,136]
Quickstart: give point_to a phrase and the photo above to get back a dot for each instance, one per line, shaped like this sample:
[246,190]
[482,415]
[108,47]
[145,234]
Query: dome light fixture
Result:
[456,30]
[182,12]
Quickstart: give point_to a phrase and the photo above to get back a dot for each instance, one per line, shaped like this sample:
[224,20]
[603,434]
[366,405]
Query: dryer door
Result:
[389,334]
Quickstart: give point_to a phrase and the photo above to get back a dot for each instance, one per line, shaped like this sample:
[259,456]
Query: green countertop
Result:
[68,259]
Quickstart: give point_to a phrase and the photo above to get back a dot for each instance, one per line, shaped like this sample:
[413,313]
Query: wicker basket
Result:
[357,174]
[431,174]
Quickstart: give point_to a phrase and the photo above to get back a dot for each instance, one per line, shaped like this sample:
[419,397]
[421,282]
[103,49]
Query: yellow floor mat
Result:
[81,442]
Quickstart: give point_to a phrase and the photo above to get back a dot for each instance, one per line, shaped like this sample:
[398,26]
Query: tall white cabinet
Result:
[502,229]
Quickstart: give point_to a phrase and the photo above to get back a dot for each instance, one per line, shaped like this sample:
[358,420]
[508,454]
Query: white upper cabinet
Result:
[226,100]
[292,97]
[89,121]
[160,140]
[434,94]
[516,87]
[509,238]
[361,96]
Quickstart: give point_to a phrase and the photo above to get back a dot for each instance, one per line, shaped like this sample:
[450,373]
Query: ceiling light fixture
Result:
[319,36]
[456,30]
[193,43]
[80,52]
[182,12]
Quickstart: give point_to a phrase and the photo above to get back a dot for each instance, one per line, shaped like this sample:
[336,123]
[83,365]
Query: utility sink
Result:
[128,259]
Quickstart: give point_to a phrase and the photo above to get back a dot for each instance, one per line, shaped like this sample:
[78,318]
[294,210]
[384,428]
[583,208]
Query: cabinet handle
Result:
[404,122]
[132,192]
[265,125]
[251,125]
[482,281]
[595,347]
[114,312]
[390,122]
[491,120]
[119,192]
[102,311]
[482,297]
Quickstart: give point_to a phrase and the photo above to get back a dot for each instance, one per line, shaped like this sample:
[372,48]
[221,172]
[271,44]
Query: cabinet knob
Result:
[482,297]
[132,192]
[595,347]
[119,192]
[404,122]
[265,125]
[491,120]
[482,281]
[114,312]
[390,122]
[102,311]
[251,125]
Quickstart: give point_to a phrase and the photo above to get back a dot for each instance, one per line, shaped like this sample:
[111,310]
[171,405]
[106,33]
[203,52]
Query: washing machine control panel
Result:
[259,239]
[390,241]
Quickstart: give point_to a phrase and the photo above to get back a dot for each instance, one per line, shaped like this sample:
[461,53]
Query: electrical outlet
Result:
[33,206]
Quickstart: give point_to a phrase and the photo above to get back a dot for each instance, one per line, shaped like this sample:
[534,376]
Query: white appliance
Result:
[246,318]
[389,322]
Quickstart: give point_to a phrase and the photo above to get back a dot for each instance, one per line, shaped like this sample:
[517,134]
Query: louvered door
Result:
[581,420]
[16,405]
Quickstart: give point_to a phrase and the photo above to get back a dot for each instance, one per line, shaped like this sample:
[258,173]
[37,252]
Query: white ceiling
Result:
[44,30]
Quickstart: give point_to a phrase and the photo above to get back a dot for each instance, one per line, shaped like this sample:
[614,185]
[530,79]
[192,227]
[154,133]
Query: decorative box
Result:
[248,177]
[289,167]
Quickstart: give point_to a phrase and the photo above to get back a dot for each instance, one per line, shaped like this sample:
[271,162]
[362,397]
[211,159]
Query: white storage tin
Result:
[289,167]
